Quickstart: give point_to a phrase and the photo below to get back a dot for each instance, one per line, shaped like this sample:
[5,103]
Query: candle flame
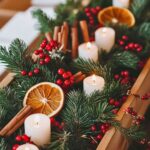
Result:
[104,30]
[94,78]
[89,45]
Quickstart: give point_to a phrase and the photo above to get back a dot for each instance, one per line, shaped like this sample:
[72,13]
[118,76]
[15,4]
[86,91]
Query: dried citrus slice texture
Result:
[46,98]
[116,15]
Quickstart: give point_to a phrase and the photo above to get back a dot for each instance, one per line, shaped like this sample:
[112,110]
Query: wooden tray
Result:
[113,139]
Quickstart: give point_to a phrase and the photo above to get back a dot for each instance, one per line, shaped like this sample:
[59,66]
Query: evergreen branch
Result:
[144,30]
[44,23]
[124,59]
[3,144]
[138,6]
[89,67]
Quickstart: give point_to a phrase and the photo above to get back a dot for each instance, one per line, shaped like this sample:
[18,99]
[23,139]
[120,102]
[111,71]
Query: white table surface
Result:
[22,26]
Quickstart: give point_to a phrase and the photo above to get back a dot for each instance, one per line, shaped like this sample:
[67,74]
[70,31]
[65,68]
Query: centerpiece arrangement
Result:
[69,90]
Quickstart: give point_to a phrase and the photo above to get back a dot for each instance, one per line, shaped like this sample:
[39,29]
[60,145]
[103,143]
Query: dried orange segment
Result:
[116,15]
[45,97]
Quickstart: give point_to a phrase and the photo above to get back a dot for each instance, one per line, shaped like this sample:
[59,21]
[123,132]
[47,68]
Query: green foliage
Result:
[124,59]
[144,30]
[138,6]
[45,24]
[3,144]
[15,57]
[89,67]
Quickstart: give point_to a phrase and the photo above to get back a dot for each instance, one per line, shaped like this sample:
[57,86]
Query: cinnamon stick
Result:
[84,29]
[15,120]
[18,125]
[59,37]
[78,77]
[64,39]
[48,36]
[74,35]
[56,31]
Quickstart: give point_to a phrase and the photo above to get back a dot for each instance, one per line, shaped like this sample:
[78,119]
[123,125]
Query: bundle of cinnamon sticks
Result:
[63,33]
[16,122]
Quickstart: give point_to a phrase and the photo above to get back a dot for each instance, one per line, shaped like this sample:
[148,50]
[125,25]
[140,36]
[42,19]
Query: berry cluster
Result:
[146,96]
[101,130]
[144,142]
[91,13]
[30,73]
[21,139]
[66,78]
[56,124]
[137,119]
[44,51]
[129,46]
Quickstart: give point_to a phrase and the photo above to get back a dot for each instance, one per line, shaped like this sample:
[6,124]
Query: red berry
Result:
[114,111]
[52,120]
[99,136]
[87,9]
[59,82]
[25,138]
[125,73]
[88,14]
[93,142]
[40,51]
[36,70]
[98,8]
[102,127]
[124,37]
[111,101]
[67,83]
[36,52]
[93,128]
[52,43]
[121,42]
[126,48]
[94,11]
[116,103]
[136,45]
[47,60]
[15,147]
[57,124]
[92,22]
[18,138]
[43,45]
[48,47]
[69,73]
[23,72]
[42,62]
[65,75]
[131,45]
[139,49]
[30,74]
[116,76]
[41,55]
[61,71]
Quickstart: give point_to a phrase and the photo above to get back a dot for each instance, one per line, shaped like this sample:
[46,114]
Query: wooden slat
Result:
[141,87]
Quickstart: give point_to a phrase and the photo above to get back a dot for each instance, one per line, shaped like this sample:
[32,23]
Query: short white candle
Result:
[88,51]
[37,127]
[121,3]
[93,83]
[27,147]
[105,38]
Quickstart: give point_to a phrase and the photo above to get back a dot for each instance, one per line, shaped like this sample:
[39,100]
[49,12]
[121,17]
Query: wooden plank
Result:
[116,141]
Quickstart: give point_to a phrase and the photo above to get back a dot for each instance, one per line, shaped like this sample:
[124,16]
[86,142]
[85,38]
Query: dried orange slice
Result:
[45,97]
[116,15]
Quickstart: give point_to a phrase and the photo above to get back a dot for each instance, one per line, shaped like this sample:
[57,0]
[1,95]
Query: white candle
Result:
[105,38]
[27,147]
[93,83]
[37,127]
[121,3]
[88,51]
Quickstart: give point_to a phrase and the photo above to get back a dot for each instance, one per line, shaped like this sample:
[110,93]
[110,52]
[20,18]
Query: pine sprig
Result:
[124,59]
[16,57]
[44,23]
[138,6]
[89,67]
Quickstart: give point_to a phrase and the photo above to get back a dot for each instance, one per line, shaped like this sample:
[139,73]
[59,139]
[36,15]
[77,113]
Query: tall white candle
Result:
[105,38]
[37,126]
[88,51]
[27,147]
[121,3]
[93,83]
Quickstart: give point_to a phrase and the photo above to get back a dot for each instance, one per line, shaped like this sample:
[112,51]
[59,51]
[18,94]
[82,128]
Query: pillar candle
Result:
[121,3]
[105,38]
[93,83]
[27,147]
[88,51]
[37,127]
